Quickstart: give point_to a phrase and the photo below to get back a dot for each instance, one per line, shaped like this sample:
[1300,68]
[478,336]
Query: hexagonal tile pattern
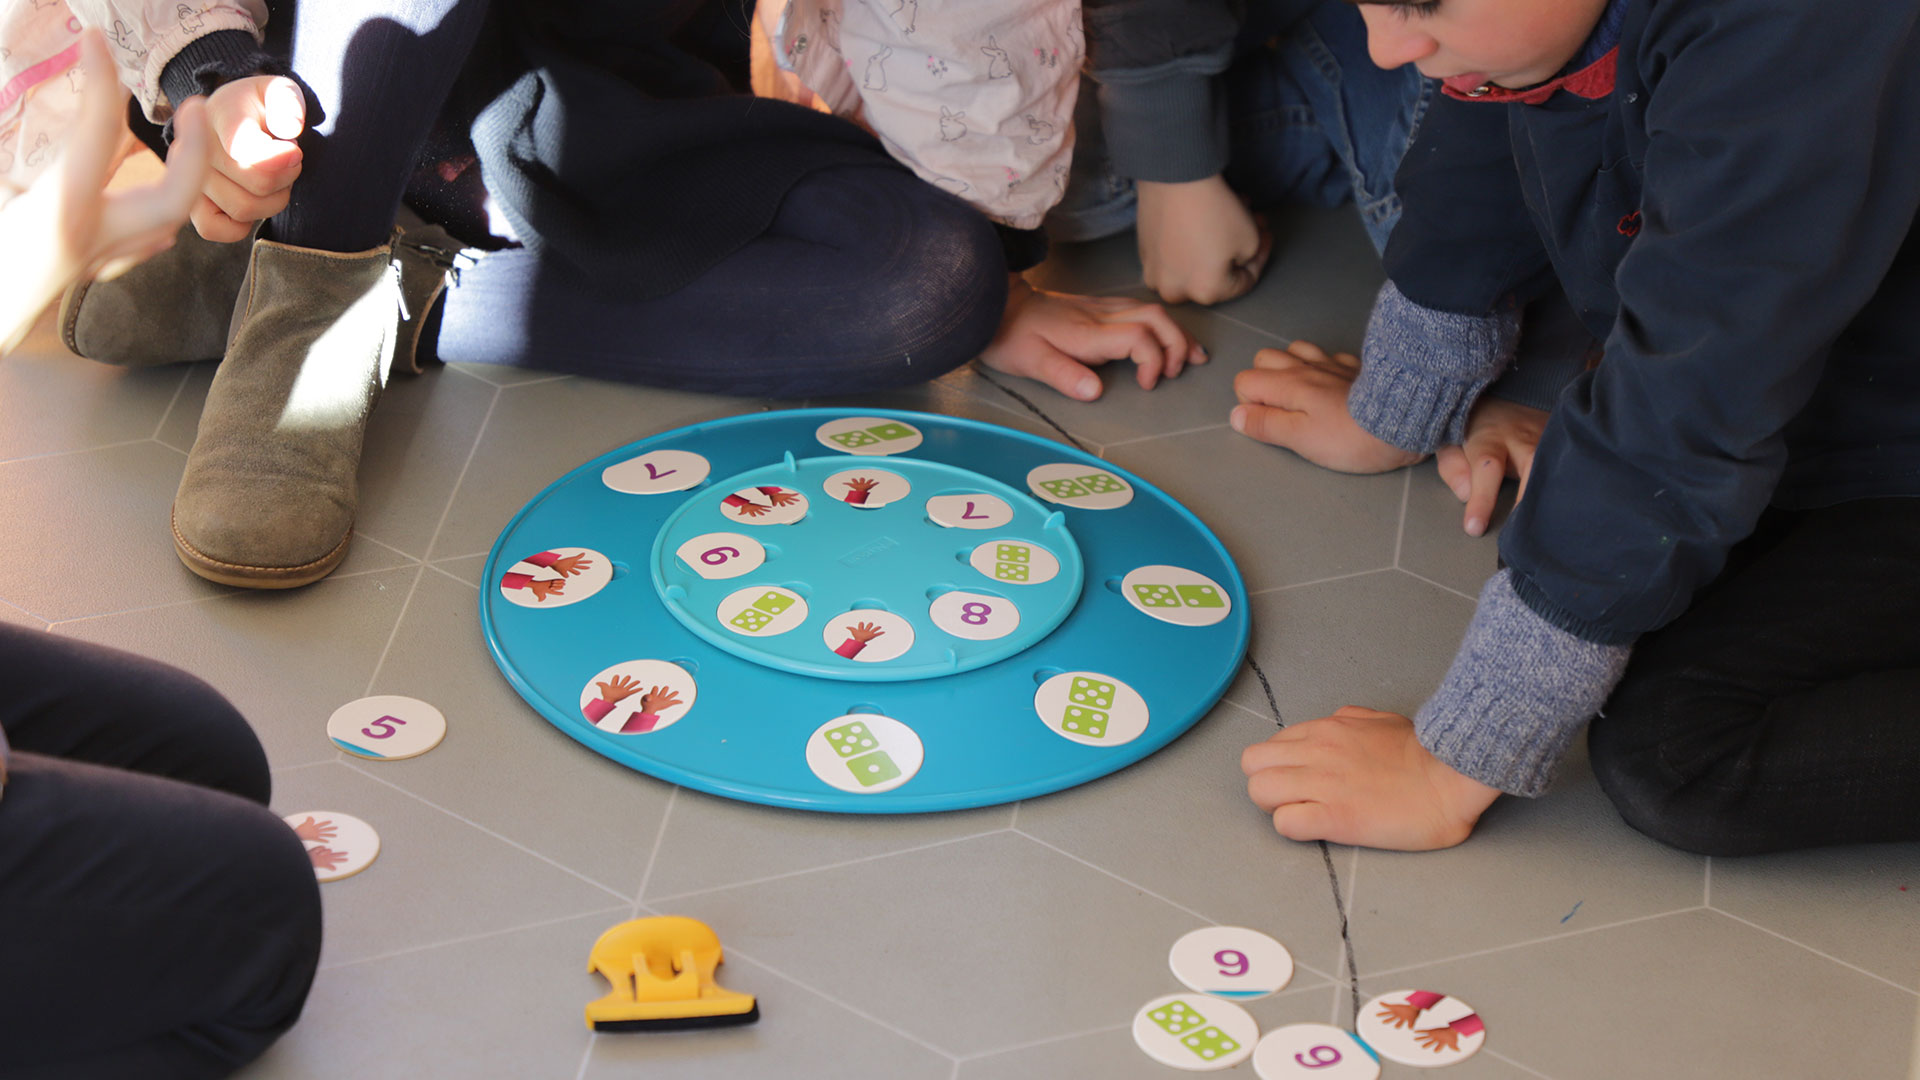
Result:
[1858,905]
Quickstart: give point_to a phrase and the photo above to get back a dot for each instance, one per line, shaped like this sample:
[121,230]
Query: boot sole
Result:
[257,577]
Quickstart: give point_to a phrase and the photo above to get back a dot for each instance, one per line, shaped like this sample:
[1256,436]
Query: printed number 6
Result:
[716,556]
[1319,1062]
[1238,960]
[385,724]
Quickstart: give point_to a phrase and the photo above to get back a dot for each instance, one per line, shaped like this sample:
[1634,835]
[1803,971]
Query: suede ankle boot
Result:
[171,309]
[267,501]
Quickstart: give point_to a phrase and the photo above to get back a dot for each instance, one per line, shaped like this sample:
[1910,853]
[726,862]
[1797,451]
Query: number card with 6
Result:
[1231,962]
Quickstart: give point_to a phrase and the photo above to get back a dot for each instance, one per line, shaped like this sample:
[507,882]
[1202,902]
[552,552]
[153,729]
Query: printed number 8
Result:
[975,614]
[724,553]
[1319,1062]
[1238,960]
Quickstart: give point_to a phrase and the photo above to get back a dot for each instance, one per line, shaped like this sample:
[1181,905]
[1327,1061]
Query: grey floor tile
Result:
[505,376]
[182,422]
[1180,824]
[466,568]
[1286,522]
[1695,996]
[1099,266]
[1859,904]
[13,616]
[1435,546]
[1534,868]
[1321,282]
[502,1006]
[504,766]
[712,843]
[436,880]
[286,660]
[800,1036]
[971,947]
[52,402]
[1381,641]
[541,431]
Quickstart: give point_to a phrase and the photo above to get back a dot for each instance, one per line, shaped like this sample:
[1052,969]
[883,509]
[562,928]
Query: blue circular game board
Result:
[864,612]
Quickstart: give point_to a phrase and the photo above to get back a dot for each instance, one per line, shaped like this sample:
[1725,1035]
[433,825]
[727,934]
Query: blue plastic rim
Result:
[746,736]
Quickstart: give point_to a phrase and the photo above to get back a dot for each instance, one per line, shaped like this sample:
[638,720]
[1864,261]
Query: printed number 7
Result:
[385,724]
[1319,1062]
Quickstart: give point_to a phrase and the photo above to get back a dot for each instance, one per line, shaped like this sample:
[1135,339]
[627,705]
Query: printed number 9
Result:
[385,724]
[1231,958]
[1319,1062]
[975,614]
[716,556]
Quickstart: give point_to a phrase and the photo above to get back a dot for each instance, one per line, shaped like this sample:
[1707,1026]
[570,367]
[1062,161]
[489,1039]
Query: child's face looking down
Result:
[1509,43]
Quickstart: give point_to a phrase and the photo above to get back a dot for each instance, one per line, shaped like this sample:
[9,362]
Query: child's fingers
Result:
[1303,821]
[1099,342]
[1264,423]
[1275,360]
[1486,469]
[240,204]
[1060,371]
[1306,350]
[213,225]
[92,146]
[1452,463]
[1155,318]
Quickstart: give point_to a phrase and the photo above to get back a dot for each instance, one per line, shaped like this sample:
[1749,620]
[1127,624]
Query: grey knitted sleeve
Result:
[1421,370]
[1517,694]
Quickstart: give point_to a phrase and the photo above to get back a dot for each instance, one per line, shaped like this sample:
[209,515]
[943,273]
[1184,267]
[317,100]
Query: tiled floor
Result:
[1011,942]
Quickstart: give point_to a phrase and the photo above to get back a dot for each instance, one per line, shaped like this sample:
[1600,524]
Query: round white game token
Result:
[868,635]
[1421,1028]
[556,577]
[864,753]
[1091,709]
[1194,1032]
[969,511]
[974,616]
[767,504]
[387,728]
[1176,595]
[1083,487]
[638,696]
[762,611]
[656,473]
[338,845]
[1015,561]
[717,556]
[1231,962]
[1299,1051]
[868,435]
[868,489]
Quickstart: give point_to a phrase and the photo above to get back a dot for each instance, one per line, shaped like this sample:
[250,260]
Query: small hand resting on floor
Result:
[1297,398]
[1056,337]
[1501,439]
[1361,777]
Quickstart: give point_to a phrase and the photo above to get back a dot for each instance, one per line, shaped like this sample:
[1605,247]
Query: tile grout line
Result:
[1476,954]
[1400,535]
[861,1013]
[166,414]
[460,481]
[586,1056]
[1523,1068]
[420,570]
[451,576]
[277,771]
[83,450]
[1262,331]
[1443,588]
[1814,951]
[468,939]
[1162,435]
[659,839]
[670,897]
[463,819]
[228,593]
[1321,581]
[1035,410]
[1706,900]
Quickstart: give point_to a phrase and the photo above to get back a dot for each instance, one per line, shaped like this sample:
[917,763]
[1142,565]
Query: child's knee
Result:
[1681,796]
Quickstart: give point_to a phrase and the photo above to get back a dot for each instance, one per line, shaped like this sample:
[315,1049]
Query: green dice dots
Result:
[889,432]
[1063,489]
[1201,596]
[1092,693]
[1156,596]
[1089,722]
[750,620]
[851,439]
[850,739]
[1209,1044]
[1011,571]
[874,768]
[1101,483]
[773,603]
[1177,1018]
[1013,553]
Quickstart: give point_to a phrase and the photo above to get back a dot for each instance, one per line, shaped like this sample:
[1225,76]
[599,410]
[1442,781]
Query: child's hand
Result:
[1297,398]
[1055,337]
[1198,241]
[1361,777]
[66,226]
[255,159]
[1501,438]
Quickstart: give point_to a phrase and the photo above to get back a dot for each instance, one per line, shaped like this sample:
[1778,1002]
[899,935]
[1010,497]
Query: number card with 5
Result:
[1231,962]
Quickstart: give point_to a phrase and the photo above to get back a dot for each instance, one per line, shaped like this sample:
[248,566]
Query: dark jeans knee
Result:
[1665,781]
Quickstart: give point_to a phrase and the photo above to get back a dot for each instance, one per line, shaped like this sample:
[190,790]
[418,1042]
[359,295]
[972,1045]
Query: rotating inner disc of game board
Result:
[877,612]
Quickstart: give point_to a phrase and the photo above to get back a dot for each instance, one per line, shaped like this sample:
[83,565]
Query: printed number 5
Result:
[716,556]
[1231,958]
[385,724]
[1319,1062]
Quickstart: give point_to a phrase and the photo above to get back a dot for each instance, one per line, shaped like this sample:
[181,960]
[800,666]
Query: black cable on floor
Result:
[1032,408]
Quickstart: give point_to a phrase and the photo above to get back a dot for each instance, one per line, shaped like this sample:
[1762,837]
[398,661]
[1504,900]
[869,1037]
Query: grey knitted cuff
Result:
[1517,694]
[1168,123]
[1421,370]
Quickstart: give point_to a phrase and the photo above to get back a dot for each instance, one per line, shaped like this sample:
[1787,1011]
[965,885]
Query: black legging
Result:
[1782,710]
[156,920]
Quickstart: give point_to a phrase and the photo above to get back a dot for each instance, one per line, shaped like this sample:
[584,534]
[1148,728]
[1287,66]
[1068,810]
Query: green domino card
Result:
[1156,596]
[1202,596]
[851,739]
[1010,571]
[1101,483]
[1089,722]
[1177,1018]
[1012,553]
[874,768]
[1092,692]
[1063,489]
[890,432]
[773,603]
[1210,1044]
[750,620]
[854,438]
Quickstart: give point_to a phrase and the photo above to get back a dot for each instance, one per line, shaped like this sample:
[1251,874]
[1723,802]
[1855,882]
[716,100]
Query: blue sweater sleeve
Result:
[1773,207]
